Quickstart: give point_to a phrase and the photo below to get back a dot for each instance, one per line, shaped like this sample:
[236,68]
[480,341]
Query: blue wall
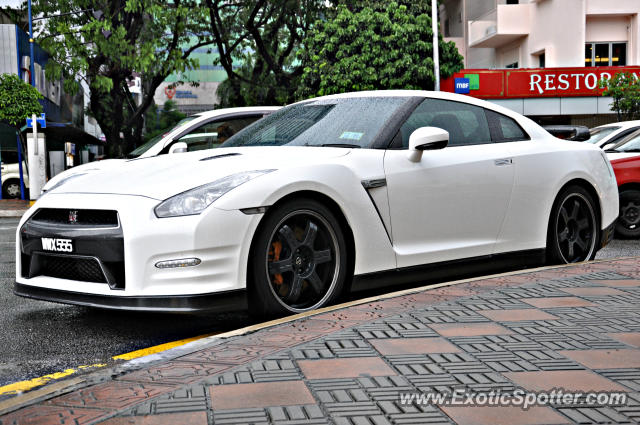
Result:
[41,57]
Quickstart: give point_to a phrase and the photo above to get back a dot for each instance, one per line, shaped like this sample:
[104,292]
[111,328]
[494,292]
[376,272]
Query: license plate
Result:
[57,245]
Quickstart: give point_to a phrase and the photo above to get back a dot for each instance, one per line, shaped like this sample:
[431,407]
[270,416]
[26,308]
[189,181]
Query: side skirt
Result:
[449,270]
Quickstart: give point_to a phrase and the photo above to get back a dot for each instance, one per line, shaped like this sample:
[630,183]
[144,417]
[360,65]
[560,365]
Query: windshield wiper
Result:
[630,150]
[339,145]
[612,150]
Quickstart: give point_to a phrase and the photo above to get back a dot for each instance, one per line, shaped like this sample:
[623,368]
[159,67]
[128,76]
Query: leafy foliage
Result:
[18,100]
[108,42]
[158,121]
[263,35]
[386,47]
[624,88]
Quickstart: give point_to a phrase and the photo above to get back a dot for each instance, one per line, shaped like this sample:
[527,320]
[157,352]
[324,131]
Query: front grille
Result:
[94,218]
[85,269]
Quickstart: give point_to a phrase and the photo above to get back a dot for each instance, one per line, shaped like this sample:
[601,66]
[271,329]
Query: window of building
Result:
[513,1]
[541,60]
[466,124]
[605,54]
[618,54]
[512,65]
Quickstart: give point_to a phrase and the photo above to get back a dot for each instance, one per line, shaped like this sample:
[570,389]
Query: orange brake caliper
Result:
[277,249]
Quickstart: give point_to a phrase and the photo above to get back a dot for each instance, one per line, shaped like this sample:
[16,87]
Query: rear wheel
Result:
[573,227]
[298,261]
[628,224]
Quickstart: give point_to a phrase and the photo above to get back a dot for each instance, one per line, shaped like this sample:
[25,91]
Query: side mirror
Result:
[178,147]
[424,139]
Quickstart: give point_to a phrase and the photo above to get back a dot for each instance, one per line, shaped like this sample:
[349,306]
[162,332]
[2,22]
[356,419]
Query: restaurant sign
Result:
[535,82]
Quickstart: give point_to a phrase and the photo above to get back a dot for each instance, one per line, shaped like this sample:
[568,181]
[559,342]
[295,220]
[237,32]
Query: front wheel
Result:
[11,189]
[298,260]
[573,227]
[628,225]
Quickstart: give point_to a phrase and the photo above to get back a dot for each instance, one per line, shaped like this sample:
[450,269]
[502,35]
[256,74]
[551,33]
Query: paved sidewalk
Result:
[13,208]
[575,327]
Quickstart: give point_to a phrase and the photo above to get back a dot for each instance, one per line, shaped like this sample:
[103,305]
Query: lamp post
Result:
[436,58]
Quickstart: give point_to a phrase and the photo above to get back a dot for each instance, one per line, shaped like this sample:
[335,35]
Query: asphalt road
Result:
[40,338]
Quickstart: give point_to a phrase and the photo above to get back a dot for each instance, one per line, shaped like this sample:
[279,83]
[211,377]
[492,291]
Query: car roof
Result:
[532,128]
[621,124]
[246,109]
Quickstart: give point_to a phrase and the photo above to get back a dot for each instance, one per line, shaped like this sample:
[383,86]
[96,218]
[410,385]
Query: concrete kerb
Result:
[102,375]
[12,213]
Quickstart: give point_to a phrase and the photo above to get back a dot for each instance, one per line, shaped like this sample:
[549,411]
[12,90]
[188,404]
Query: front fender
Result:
[374,251]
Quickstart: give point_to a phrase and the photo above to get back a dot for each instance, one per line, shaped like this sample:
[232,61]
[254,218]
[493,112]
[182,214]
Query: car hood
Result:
[89,167]
[164,176]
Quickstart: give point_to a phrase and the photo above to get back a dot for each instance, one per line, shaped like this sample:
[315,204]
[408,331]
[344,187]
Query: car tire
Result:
[11,189]
[298,260]
[574,227]
[628,224]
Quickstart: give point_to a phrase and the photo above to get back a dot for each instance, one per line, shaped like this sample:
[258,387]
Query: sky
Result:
[11,3]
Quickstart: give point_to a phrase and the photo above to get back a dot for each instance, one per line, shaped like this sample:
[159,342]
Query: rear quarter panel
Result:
[543,167]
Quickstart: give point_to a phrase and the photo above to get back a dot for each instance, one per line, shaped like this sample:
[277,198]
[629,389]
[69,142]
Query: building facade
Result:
[552,38]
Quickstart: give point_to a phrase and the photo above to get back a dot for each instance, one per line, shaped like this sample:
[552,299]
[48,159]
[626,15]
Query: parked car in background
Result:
[363,188]
[205,130]
[625,159]
[610,134]
[11,179]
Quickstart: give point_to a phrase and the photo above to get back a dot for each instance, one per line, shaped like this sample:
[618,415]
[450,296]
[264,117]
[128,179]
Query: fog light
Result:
[184,262]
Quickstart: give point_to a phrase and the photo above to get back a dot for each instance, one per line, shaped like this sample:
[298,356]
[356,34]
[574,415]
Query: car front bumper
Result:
[220,239]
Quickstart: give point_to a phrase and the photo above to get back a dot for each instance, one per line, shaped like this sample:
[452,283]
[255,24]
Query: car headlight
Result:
[194,201]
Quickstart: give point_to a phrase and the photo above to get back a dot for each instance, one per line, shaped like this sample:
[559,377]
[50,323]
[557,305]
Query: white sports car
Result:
[320,197]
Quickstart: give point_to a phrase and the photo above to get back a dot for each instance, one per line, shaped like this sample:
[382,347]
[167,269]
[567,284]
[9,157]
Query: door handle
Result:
[503,161]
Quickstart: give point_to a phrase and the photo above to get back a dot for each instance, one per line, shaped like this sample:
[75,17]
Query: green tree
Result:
[264,36]
[18,100]
[158,121]
[107,42]
[624,88]
[388,46]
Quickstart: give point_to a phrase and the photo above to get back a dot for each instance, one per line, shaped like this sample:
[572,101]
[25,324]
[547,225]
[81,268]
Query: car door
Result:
[452,203]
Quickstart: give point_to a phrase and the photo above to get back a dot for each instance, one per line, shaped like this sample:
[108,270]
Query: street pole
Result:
[436,58]
[33,76]
[31,41]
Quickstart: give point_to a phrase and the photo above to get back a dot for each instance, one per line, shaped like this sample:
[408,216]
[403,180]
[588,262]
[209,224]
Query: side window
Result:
[466,124]
[504,128]
[618,137]
[212,134]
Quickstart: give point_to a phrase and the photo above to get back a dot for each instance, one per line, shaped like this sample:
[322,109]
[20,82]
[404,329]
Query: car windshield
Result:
[600,133]
[145,147]
[343,122]
[630,144]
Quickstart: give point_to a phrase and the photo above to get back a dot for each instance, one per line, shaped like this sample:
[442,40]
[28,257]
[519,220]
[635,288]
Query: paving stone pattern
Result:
[574,327]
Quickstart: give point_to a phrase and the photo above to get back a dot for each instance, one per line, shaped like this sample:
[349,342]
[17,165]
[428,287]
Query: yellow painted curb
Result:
[158,348]
[18,387]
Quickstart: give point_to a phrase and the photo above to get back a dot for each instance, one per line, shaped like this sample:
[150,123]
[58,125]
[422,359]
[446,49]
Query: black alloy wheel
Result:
[628,224]
[574,227]
[298,260]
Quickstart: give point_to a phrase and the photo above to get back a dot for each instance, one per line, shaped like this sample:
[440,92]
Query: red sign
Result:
[170,91]
[537,82]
